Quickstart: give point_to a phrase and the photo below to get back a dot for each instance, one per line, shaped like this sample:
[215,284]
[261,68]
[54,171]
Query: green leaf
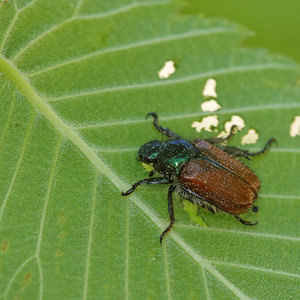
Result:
[77,78]
[192,210]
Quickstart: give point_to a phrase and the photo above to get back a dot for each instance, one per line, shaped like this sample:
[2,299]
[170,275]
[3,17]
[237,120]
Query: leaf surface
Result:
[77,78]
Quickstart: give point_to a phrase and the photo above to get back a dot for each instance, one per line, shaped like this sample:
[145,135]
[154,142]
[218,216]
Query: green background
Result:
[275,24]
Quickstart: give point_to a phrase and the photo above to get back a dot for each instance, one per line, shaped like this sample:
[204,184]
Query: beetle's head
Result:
[149,151]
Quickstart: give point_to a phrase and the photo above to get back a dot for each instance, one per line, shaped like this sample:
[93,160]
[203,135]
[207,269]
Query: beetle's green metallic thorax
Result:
[173,155]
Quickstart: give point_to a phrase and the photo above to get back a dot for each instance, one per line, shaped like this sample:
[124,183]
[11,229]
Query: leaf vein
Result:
[18,11]
[293,197]
[28,4]
[142,43]
[8,31]
[12,279]
[23,149]
[44,211]
[127,250]
[192,115]
[77,8]
[241,233]
[9,118]
[202,75]
[254,268]
[123,9]
[90,237]
[63,23]
[166,267]
[177,238]
[205,284]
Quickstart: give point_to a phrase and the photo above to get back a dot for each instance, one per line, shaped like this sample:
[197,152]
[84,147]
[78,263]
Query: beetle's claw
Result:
[245,222]
[152,173]
[162,236]
[127,192]
[153,114]
[166,231]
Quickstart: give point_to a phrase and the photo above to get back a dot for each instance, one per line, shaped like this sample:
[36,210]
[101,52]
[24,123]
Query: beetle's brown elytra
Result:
[203,172]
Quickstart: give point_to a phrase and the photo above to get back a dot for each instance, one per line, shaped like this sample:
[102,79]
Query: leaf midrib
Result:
[41,106]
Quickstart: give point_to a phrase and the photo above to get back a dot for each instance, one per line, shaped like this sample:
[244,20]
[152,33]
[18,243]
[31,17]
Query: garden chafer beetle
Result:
[204,172]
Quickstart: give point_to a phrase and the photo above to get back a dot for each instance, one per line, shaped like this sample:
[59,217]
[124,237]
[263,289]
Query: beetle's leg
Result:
[156,180]
[171,211]
[219,140]
[264,149]
[234,151]
[166,131]
[245,153]
[245,222]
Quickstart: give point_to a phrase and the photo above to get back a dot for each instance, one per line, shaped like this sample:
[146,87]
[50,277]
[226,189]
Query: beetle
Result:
[202,171]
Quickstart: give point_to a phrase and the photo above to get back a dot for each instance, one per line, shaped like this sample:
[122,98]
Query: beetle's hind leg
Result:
[166,131]
[171,211]
[264,149]
[246,153]
[245,222]
[156,180]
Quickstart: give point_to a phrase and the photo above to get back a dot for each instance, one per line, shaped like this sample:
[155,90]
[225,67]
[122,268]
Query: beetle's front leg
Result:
[171,211]
[166,131]
[156,180]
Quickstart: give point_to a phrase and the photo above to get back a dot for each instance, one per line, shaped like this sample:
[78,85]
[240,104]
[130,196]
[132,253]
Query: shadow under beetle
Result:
[202,171]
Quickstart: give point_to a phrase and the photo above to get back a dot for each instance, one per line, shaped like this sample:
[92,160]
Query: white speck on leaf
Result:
[250,137]
[211,105]
[167,70]
[235,120]
[210,88]
[295,127]
[207,123]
